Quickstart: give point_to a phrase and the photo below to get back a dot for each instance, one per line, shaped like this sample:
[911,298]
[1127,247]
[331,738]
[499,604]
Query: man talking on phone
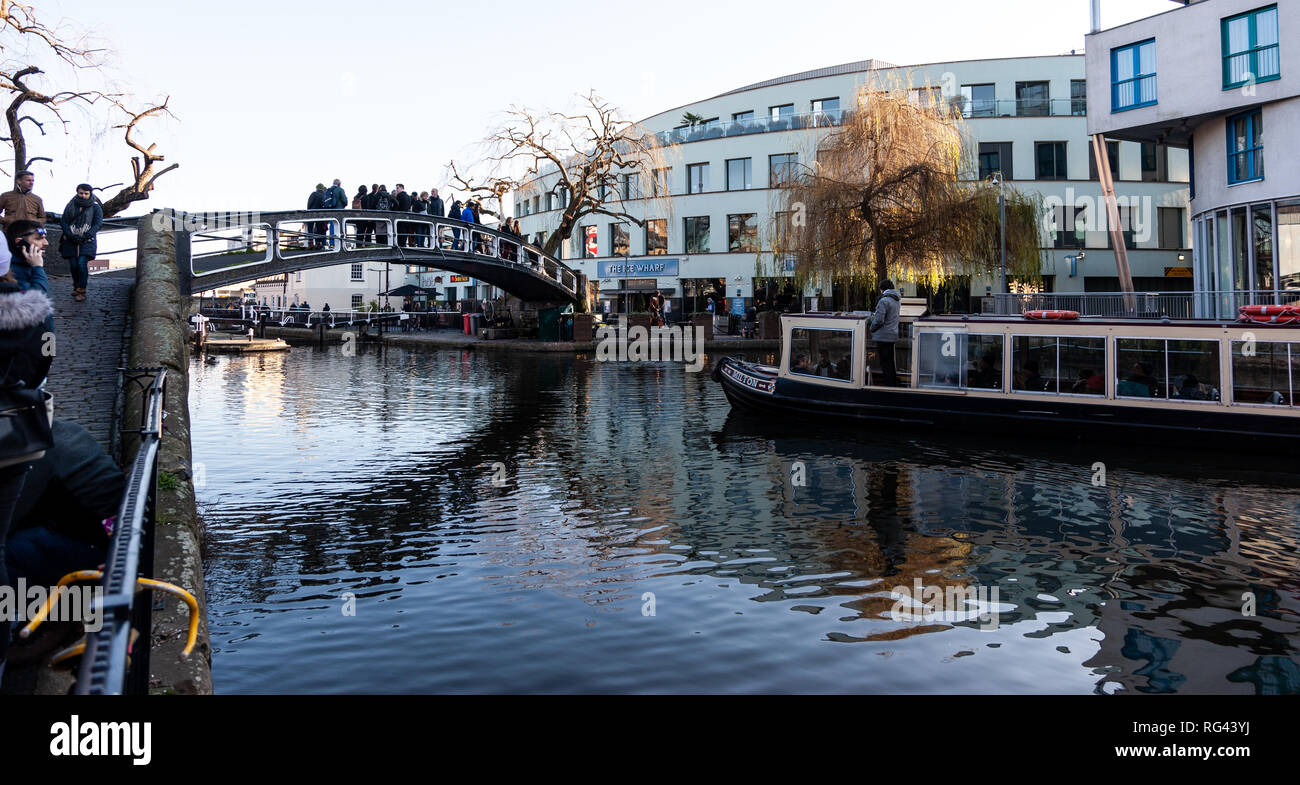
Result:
[21,204]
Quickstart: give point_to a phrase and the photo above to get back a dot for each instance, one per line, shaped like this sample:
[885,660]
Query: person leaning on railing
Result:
[26,333]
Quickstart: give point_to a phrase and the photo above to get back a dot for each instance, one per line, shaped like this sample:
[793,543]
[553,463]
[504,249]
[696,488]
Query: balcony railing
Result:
[1023,107]
[754,125]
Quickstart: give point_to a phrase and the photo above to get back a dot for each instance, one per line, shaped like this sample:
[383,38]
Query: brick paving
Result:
[90,339]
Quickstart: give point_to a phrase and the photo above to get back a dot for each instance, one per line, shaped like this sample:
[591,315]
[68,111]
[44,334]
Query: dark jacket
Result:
[419,205]
[382,200]
[30,277]
[74,487]
[436,207]
[88,218]
[26,318]
[402,199]
[316,199]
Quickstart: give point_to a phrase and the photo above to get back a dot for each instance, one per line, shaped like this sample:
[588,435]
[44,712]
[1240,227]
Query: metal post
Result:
[1002,230]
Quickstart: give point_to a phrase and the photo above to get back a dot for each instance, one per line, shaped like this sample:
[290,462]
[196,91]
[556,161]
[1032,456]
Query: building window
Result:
[784,111]
[742,117]
[995,157]
[826,106]
[1112,156]
[1246,147]
[1250,48]
[697,178]
[782,168]
[656,237]
[1155,163]
[590,241]
[1171,227]
[1078,97]
[1071,227]
[537,203]
[1133,76]
[357,302]
[1032,99]
[738,173]
[550,200]
[659,181]
[697,234]
[979,100]
[358,273]
[1051,160]
[742,233]
[1126,229]
[631,185]
[618,240]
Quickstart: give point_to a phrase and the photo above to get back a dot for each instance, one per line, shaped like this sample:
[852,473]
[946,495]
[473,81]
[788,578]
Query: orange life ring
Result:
[1286,317]
[1051,315]
[1269,310]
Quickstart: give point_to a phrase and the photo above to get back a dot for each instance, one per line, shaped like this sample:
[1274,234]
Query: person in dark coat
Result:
[316,229]
[436,207]
[381,200]
[420,204]
[455,212]
[365,229]
[80,222]
[26,326]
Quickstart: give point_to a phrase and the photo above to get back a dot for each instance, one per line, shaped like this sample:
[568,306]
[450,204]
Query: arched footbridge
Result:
[220,249]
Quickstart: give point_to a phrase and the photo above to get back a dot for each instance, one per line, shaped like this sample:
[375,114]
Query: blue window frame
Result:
[1250,48]
[1133,76]
[1246,147]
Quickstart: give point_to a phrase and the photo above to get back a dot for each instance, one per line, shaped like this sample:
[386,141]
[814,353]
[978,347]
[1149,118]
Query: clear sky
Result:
[276,95]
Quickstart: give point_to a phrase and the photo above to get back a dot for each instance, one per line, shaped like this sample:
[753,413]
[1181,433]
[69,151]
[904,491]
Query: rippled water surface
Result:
[642,537]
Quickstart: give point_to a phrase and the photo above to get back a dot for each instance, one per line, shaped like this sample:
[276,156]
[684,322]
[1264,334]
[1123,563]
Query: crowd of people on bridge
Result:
[399,200]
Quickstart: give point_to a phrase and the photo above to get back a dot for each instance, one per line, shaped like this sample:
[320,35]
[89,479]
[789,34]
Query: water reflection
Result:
[771,549]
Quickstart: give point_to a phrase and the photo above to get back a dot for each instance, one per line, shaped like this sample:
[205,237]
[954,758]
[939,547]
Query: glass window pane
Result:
[1082,365]
[821,352]
[1140,368]
[1033,359]
[1238,35]
[940,359]
[1263,376]
[656,237]
[1262,228]
[1194,370]
[1288,246]
[1147,58]
[984,361]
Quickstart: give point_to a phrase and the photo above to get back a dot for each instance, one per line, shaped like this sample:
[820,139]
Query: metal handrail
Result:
[1172,304]
[104,665]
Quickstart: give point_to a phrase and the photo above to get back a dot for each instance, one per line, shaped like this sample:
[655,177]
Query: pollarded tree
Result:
[890,196]
[600,164]
[24,39]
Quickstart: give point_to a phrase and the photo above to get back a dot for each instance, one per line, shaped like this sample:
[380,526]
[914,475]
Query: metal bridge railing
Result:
[411,236]
[104,669]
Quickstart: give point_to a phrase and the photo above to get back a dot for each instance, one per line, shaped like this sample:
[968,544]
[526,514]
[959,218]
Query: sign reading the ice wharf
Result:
[638,268]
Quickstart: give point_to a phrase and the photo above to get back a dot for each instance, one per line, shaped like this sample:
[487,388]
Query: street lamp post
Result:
[996,178]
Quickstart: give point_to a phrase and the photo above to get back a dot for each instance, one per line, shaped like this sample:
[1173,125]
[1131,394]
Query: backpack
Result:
[356,202]
[383,201]
[327,200]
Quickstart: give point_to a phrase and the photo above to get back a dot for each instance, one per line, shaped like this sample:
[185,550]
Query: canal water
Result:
[446,520]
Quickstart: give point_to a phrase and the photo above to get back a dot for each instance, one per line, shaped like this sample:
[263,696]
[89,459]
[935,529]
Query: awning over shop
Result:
[409,290]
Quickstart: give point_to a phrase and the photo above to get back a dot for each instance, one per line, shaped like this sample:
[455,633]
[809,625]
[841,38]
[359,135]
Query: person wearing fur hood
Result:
[26,352]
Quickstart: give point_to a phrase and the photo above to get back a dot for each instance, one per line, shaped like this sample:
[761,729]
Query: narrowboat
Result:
[1151,383]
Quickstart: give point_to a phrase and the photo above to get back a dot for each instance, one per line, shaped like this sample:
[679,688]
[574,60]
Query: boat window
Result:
[1059,364]
[817,351]
[1156,368]
[956,359]
[1266,372]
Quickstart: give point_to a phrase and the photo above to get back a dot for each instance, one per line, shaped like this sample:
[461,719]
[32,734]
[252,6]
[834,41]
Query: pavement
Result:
[90,345]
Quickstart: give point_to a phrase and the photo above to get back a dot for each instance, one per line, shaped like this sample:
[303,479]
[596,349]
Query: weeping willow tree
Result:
[891,195]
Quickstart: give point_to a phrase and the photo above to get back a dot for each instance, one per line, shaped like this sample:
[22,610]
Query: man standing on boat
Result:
[884,330]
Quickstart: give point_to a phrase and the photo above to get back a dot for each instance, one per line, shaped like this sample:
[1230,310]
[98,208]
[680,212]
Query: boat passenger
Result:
[1033,381]
[824,367]
[842,368]
[1190,389]
[801,364]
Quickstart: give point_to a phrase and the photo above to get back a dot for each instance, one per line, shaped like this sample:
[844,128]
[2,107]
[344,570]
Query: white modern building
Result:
[1025,117]
[1220,78]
